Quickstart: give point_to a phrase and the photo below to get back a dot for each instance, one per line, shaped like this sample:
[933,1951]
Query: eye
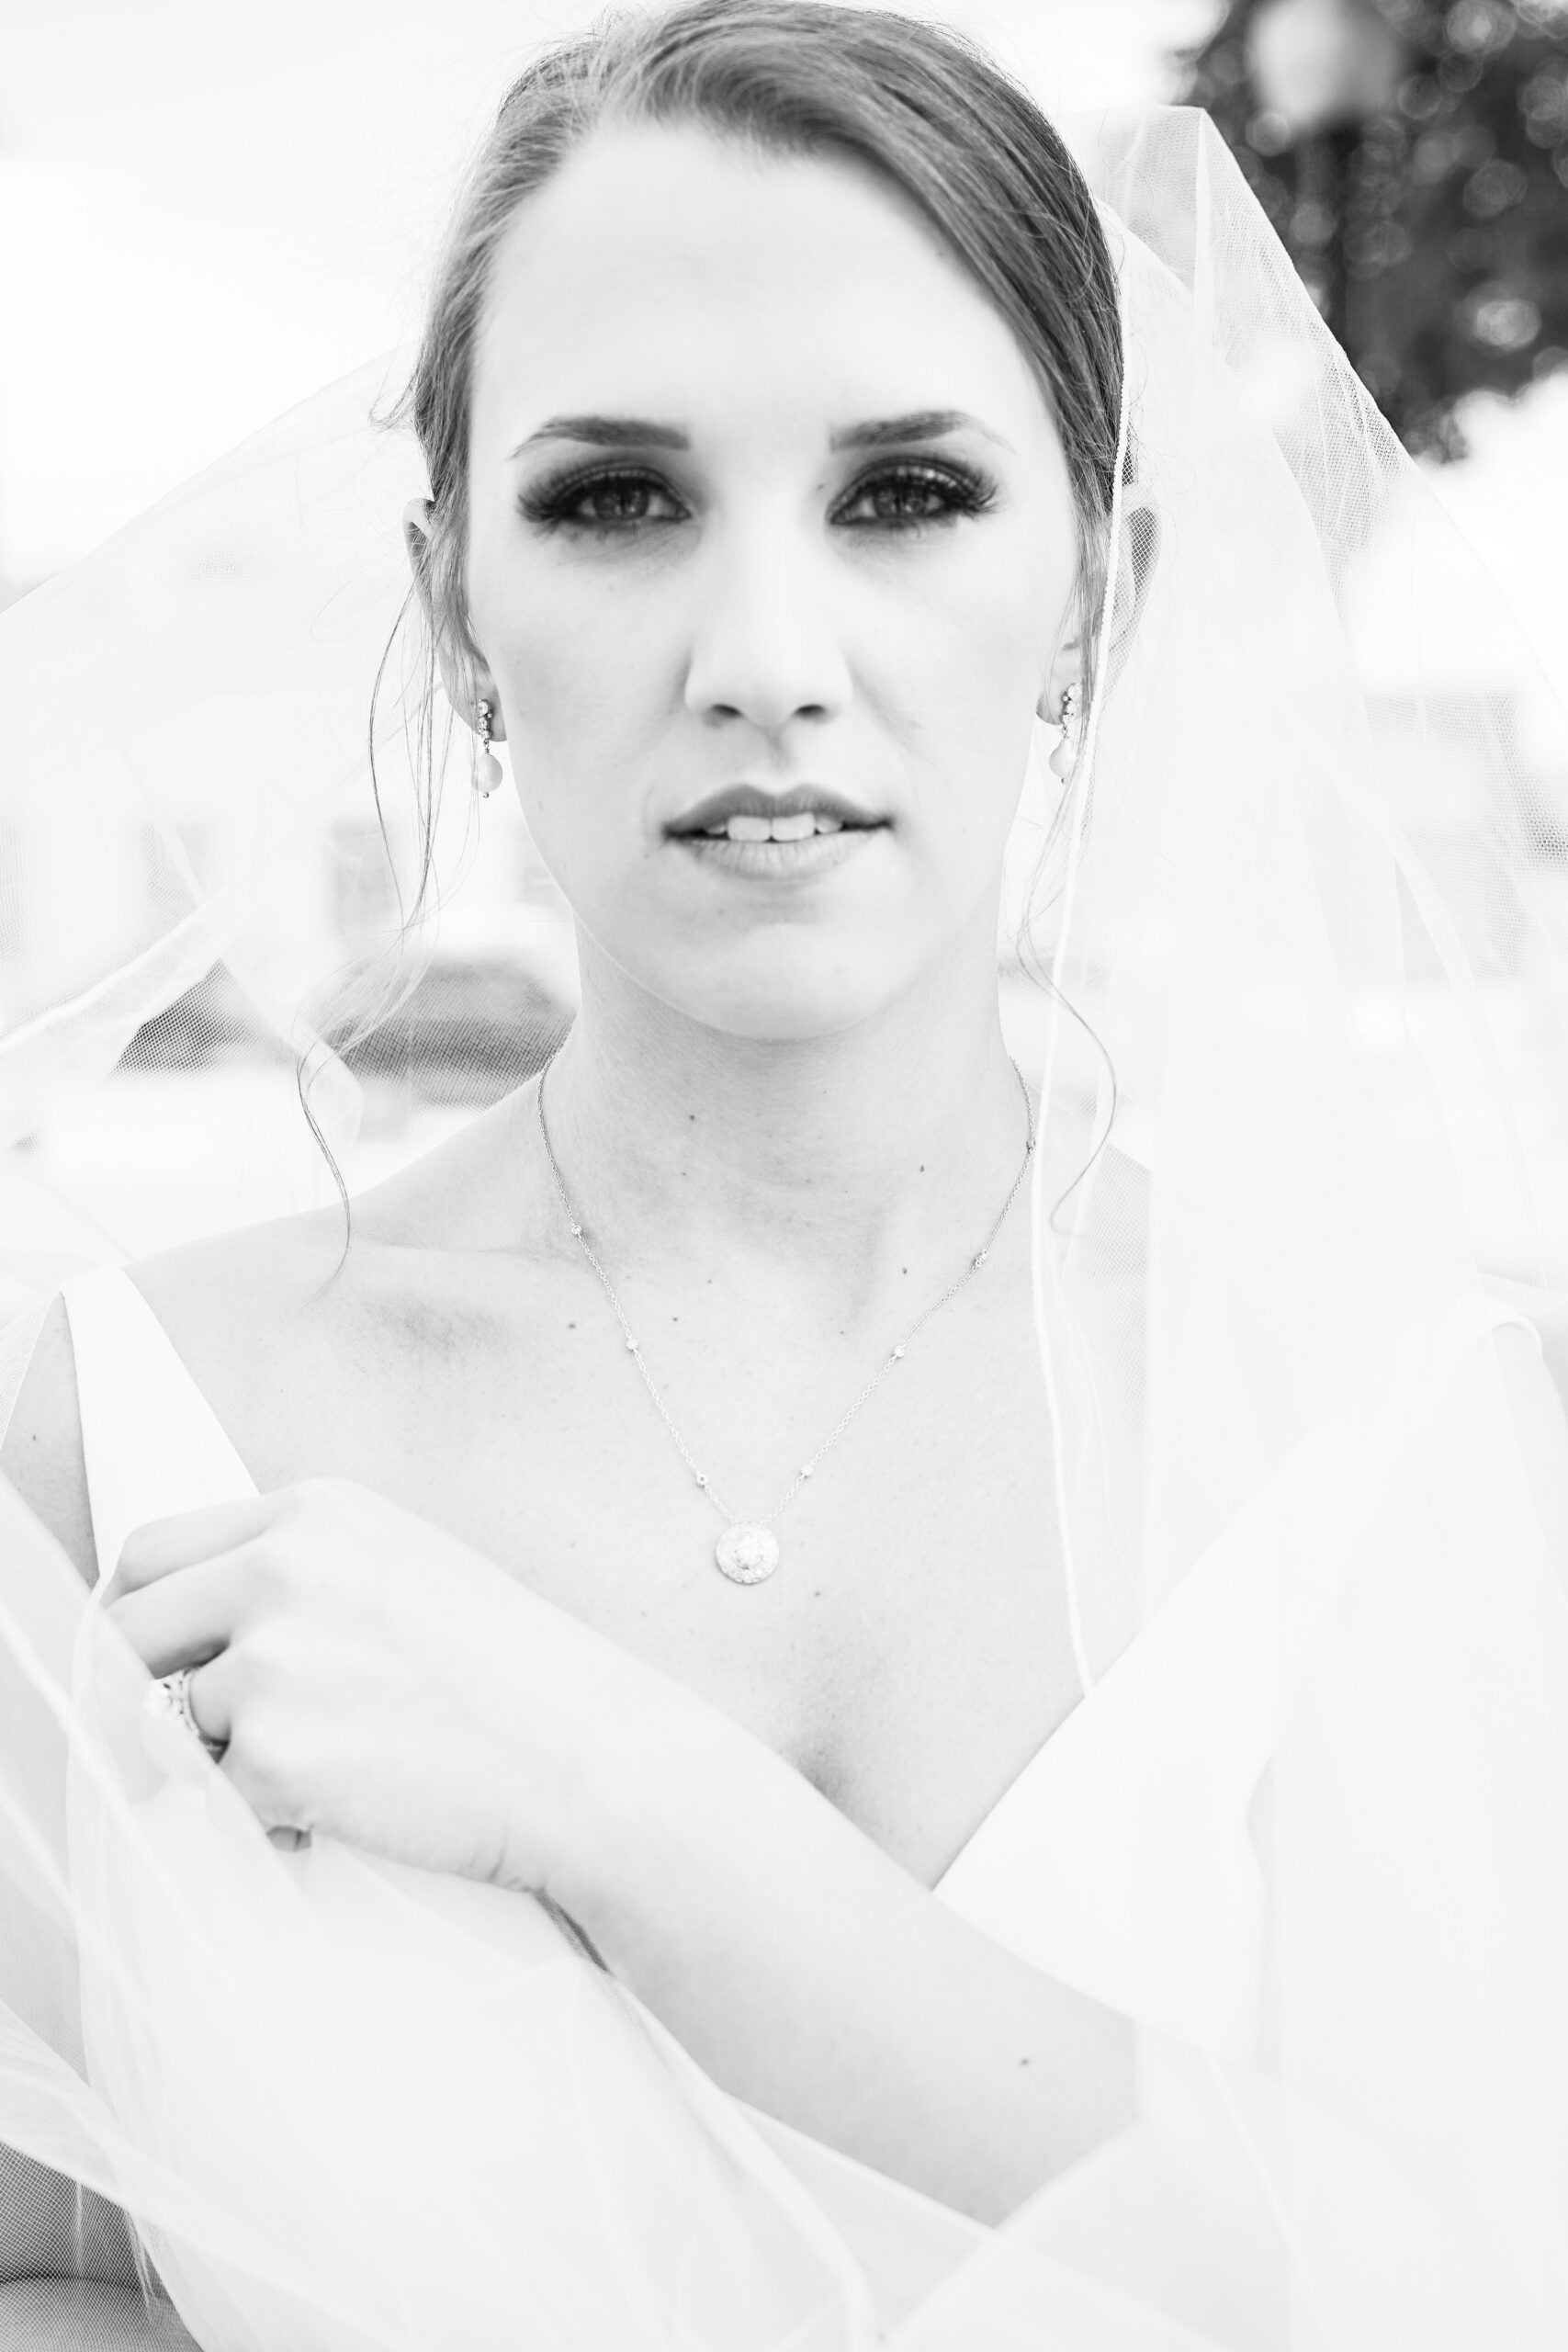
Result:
[902,497]
[607,501]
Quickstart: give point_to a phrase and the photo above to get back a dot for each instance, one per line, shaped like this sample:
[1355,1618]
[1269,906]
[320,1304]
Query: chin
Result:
[790,1002]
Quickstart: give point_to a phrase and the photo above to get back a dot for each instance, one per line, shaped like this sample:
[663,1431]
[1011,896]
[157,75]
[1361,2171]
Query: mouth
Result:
[775,836]
[745,813]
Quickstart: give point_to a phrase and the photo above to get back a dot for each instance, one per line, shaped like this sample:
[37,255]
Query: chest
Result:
[909,1654]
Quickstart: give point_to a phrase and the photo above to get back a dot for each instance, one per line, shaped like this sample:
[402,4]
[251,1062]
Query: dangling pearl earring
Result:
[486,767]
[1061,759]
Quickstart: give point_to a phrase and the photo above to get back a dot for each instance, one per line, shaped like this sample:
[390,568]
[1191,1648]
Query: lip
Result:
[744,799]
[779,861]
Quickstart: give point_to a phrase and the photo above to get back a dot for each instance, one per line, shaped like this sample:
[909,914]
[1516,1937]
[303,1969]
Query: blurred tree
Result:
[1413,156]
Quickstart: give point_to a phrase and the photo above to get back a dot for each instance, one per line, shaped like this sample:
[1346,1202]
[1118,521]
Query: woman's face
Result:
[770,528]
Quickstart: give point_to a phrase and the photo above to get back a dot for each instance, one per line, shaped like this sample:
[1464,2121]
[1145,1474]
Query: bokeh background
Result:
[210,212]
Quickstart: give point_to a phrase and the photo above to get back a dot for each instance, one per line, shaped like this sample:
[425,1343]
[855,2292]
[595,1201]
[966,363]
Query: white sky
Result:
[207,210]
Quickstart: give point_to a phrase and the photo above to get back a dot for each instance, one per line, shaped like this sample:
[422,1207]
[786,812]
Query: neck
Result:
[841,1165]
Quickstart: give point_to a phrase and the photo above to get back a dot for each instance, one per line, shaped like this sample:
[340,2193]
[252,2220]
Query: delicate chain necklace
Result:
[747,1551]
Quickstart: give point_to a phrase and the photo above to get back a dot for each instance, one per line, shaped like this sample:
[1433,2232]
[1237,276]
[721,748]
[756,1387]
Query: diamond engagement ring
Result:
[170,1696]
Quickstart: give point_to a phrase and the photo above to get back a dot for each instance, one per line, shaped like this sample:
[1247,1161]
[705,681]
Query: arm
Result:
[812,1976]
[376,1680]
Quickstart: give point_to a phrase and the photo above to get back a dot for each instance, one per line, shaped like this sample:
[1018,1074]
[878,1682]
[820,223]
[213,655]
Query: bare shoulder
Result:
[251,1287]
[257,1319]
[298,1335]
[292,1338]
[219,1299]
[296,1283]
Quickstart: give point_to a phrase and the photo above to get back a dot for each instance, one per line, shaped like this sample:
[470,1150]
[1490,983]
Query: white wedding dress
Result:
[462,2133]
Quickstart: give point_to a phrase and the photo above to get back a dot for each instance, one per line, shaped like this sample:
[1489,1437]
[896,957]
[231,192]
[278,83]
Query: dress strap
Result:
[151,1443]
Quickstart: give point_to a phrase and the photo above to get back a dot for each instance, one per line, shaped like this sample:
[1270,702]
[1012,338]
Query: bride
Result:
[904,1605]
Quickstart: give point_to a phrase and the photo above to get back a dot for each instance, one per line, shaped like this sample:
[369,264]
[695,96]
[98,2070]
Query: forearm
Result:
[814,1978]
[70,2315]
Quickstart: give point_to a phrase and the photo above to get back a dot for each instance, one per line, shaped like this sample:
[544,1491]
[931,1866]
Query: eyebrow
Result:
[646,432]
[921,424]
[608,433]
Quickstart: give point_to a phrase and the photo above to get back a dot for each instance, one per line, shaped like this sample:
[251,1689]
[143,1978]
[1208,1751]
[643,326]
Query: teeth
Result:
[776,828]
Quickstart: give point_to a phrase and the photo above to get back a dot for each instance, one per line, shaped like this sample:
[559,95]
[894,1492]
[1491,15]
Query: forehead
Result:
[671,271]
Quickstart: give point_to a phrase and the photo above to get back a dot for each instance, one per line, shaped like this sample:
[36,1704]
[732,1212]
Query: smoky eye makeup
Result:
[904,493]
[599,496]
[893,494]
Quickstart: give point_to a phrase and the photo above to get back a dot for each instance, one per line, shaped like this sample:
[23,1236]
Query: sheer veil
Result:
[1302,1013]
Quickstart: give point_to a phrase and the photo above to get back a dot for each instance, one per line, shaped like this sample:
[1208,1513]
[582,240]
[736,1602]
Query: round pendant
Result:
[747,1555]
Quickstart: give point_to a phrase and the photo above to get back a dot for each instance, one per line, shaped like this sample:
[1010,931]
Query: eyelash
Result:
[549,504]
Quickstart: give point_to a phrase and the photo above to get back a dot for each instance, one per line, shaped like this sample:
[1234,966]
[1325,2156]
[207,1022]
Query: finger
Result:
[186,1618]
[211,1702]
[161,1546]
[212,1699]
[167,1738]
[212,1694]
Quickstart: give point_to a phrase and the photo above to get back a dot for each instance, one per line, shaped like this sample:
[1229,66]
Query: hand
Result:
[378,1680]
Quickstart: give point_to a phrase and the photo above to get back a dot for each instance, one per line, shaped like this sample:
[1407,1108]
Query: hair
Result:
[918,102]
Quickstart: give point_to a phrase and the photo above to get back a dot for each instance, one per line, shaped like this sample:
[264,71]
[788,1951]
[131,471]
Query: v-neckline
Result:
[1018,1788]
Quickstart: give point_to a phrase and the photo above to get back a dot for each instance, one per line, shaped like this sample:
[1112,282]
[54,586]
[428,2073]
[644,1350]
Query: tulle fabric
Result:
[1300,1057]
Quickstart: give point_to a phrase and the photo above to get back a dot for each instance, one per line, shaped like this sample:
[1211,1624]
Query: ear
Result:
[1136,563]
[465,675]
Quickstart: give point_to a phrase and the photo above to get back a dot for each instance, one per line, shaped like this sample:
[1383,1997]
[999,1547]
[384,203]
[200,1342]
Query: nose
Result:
[765,646]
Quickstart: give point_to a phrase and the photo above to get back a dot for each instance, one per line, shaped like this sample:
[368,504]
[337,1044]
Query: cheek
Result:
[547,652]
[576,688]
[972,680]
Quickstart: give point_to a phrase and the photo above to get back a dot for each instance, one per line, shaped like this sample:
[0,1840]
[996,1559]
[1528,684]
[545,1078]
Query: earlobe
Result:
[1067,715]
[1065,672]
